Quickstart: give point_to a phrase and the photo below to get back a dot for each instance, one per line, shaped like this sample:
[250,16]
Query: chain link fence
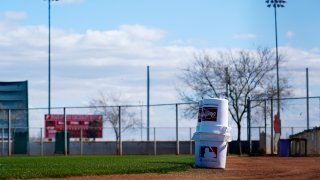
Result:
[169,132]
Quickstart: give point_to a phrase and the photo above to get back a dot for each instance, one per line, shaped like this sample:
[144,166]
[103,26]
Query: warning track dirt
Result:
[238,168]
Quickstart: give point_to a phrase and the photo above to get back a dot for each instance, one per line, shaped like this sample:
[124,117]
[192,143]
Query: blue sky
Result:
[207,23]
[105,45]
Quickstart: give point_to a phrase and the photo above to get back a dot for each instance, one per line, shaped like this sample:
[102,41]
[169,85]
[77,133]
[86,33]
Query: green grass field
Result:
[60,166]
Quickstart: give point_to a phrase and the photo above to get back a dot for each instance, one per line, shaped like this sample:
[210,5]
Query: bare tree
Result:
[270,87]
[108,107]
[233,75]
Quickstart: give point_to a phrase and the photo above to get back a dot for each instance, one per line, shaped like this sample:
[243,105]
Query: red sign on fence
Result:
[90,125]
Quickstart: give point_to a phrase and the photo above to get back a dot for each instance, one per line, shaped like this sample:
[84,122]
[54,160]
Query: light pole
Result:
[49,55]
[276,4]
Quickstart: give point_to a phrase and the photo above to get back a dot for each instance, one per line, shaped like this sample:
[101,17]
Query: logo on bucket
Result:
[208,153]
[209,114]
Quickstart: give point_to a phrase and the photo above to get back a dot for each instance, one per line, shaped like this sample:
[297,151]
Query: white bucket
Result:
[210,150]
[214,113]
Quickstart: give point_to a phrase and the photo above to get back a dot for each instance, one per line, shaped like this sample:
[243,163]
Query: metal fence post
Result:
[148,103]
[28,143]
[81,142]
[2,151]
[265,125]
[317,142]
[190,133]
[65,133]
[41,142]
[249,123]
[307,89]
[9,132]
[141,119]
[120,141]
[154,142]
[272,126]
[177,131]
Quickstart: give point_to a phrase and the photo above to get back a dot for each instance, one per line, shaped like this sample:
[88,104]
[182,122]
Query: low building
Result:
[307,141]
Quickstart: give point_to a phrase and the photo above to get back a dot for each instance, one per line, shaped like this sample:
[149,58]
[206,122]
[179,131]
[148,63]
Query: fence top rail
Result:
[159,127]
[111,106]
[287,98]
[284,127]
[151,105]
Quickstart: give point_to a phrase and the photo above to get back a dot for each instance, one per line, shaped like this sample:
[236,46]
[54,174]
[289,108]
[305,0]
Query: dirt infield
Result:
[239,168]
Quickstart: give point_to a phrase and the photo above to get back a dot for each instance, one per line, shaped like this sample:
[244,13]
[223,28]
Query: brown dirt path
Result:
[237,168]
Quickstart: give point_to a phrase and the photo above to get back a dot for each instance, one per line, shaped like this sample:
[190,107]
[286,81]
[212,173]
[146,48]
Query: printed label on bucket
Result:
[208,153]
[209,114]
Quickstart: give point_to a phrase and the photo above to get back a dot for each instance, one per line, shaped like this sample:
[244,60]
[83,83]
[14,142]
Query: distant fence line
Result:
[36,143]
[167,114]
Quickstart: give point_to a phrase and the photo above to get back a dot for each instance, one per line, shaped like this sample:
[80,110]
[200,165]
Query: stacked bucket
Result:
[212,134]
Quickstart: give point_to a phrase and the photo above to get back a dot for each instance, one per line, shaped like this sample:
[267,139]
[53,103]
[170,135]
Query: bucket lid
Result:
[218,129]
[213,101]
[198,136]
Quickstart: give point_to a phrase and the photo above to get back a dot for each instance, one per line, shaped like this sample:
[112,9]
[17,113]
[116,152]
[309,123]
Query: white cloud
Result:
[300,59]
[143,33]
[111,60]
[189,42]
[244,36]
[290,34]
[84,63]
[15,15]
[294,67]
